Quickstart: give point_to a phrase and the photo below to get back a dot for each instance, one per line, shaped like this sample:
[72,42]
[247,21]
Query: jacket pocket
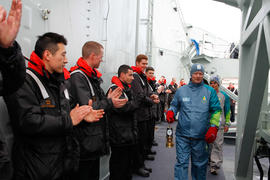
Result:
[91,140]
[72,154]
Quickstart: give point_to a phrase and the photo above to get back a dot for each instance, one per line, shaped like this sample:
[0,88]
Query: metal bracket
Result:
[44,12]
[263,151]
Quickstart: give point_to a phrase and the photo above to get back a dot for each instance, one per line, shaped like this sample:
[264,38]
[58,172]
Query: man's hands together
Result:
[155,98]
[85,112]
[115,95]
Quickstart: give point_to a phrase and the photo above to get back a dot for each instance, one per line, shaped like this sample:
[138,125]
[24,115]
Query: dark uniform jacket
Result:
[41,123]
[173,88]
[12,67]
[85,85]
[156,107]
[122,125]
[12,75]
[162,95]
[142,92]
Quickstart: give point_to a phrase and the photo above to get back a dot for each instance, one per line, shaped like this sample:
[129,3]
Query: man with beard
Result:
[123,127]
[149,72]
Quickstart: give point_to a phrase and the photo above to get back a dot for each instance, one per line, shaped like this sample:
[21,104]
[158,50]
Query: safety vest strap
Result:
[89,83]
[43,91]
[140,79]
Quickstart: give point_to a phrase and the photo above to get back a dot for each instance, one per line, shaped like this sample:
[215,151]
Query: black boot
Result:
[152,152]
[149,157]
[148,169]
[154,143]
[142,172]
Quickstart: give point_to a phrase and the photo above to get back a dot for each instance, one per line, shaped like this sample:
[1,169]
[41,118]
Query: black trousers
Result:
[162,109]
[121,162]
[152,123]
[232,118]
[88,170]
[5,170]
[143,145]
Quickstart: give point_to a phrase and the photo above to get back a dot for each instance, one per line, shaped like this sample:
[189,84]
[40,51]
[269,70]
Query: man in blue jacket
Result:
[199,113]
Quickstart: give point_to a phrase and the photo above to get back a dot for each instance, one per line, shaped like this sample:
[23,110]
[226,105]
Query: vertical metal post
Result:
[150,31]
[137,28]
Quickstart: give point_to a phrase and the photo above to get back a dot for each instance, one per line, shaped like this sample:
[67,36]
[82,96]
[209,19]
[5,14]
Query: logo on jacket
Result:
[186,99]
[48,104]
[204,100]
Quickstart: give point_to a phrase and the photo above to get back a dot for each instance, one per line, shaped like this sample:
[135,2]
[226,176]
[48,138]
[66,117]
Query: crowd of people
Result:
[63,122]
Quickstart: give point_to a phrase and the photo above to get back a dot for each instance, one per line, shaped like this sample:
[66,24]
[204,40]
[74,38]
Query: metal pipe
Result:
[137,27]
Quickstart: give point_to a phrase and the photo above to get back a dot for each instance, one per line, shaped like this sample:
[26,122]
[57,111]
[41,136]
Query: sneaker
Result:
[213,171]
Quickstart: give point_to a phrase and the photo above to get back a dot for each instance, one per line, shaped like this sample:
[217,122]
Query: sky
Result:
[218,18]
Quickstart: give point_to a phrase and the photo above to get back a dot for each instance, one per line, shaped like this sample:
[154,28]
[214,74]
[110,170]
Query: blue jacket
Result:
[198,107]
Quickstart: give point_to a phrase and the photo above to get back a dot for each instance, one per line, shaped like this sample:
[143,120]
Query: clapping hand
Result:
[93,115]
[9,26]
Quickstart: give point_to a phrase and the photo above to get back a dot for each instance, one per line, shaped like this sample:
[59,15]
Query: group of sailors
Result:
[63,121]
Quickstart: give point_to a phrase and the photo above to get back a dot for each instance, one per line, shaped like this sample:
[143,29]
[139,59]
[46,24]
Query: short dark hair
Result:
[149,68]
[140,57]
[49,41]
[123,69]
[91,47]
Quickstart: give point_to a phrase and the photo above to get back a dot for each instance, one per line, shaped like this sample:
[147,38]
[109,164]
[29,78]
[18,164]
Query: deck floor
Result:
[163,165]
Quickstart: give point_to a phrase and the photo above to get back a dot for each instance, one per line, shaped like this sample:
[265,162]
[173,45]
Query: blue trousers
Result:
[198,151]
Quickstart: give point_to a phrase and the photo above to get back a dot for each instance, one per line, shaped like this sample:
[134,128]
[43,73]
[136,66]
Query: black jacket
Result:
[142,93]
[155,108]
[12,75]
[163,95]
[12,67]
[41,127]
[122,125]
[173,88]
[93,137]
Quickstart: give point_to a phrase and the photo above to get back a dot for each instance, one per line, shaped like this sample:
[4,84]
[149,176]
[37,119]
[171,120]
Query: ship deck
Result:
[163,165]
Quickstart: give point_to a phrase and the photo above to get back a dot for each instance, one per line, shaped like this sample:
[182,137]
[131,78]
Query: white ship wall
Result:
[112,23]
[225,68]
[169,37]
